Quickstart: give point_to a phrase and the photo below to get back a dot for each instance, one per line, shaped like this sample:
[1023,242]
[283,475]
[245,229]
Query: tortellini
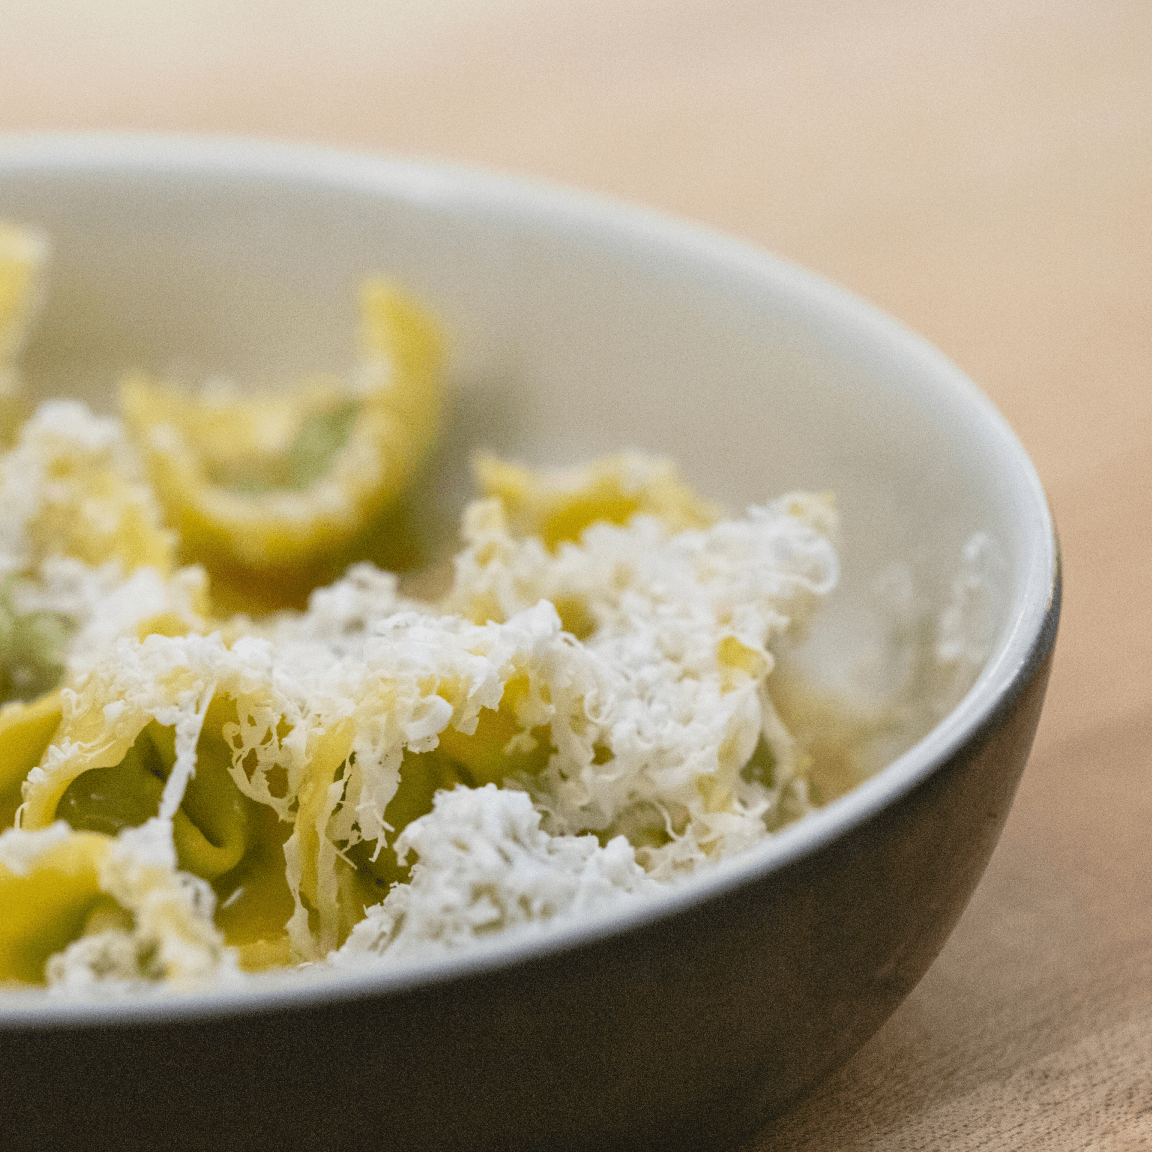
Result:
[274,490]
[23,253]
[273,495]
[287,761]
[192,794]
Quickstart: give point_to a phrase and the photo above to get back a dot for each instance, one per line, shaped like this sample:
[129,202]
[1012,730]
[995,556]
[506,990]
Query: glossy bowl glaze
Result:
[579,327]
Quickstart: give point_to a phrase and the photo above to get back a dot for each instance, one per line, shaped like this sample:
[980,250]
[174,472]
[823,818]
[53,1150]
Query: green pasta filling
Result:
[31,647]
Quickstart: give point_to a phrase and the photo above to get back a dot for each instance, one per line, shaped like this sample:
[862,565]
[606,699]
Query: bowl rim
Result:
[608,225]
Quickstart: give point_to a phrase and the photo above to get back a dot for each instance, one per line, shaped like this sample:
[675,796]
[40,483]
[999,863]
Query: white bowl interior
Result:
[578,328]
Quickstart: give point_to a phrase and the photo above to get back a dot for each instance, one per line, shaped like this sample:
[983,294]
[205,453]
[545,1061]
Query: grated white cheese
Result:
[593,711]
[616,686]
[651,716]
[672,673]
[484,866]
[21,850]
[173,938]
[68,468]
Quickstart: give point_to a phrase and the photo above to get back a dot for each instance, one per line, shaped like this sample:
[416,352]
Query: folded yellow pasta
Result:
[46,899]
[273,490]
[26,730]
[22,256]
[558,506]
[590,710]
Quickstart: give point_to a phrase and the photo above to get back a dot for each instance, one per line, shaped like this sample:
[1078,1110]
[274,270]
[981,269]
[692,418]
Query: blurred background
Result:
[983,171]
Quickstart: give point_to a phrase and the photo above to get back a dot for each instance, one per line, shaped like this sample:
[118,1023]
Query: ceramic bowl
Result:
[579,326]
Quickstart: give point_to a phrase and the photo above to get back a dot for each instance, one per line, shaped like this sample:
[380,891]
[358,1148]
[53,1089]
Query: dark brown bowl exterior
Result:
[685,1032]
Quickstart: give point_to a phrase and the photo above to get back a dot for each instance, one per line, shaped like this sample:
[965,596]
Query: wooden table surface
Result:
[982,171]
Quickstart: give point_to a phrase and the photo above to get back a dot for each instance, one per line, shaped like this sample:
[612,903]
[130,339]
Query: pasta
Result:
[359,777]
[291,769]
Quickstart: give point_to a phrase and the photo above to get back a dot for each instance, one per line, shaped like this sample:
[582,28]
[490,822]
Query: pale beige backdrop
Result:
[983,170]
